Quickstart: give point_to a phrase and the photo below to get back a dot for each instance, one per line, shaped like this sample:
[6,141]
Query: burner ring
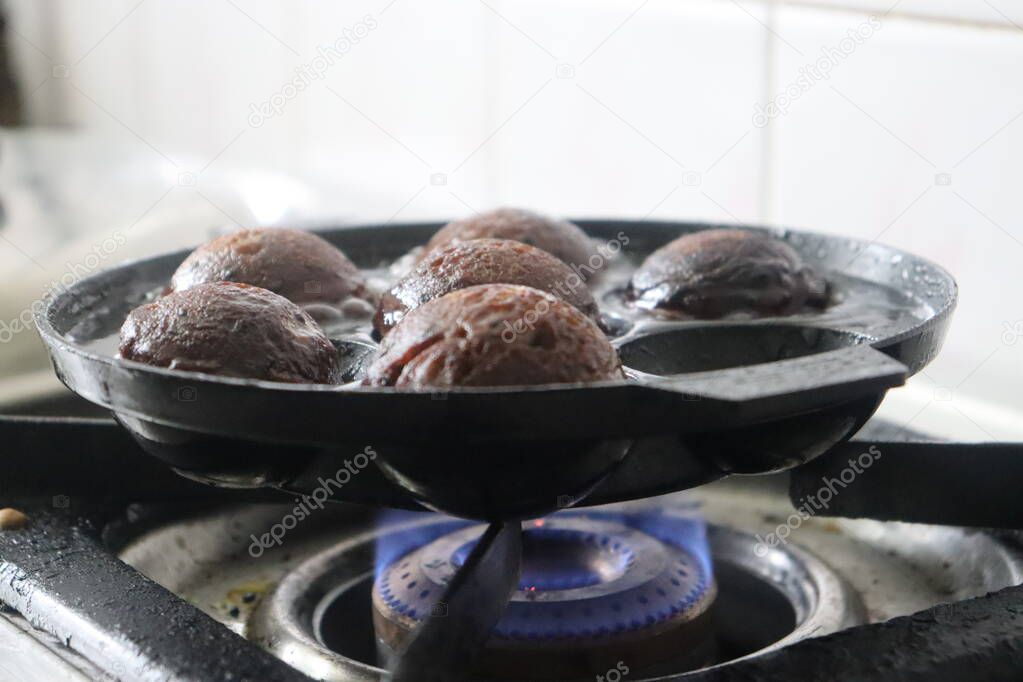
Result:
[583,579]
[318,621]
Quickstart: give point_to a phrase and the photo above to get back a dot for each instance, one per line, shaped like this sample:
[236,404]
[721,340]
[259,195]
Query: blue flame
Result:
[677,523]
[402,532]
[682,583]
[559,572]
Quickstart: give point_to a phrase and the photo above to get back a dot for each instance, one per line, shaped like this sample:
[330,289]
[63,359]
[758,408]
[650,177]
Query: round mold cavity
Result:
[707,347]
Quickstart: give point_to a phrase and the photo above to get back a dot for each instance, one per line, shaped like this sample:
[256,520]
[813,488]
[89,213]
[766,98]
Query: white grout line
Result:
[866,8]
[768,160]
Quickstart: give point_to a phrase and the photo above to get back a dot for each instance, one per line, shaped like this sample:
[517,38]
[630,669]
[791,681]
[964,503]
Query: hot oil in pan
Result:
[99,331]
[856,305]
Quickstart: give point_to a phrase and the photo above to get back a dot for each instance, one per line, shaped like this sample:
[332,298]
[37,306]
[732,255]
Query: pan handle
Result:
[792,386]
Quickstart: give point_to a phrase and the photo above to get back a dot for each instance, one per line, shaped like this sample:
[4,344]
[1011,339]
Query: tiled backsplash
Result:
[907,143]
[908,130]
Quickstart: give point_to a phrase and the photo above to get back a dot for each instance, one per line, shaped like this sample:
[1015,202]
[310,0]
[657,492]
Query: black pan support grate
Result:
[62,574]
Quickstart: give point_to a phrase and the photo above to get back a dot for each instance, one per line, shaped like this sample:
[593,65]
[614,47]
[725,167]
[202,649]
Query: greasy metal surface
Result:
[979,639]
[963,484]
[893,569]
[73,458]
[29,655]
[58,576]
[859,654]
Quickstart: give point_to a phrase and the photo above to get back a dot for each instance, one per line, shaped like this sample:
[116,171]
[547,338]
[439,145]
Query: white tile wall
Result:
[181,78]
[435,88]
[867,153]
[652,116]
[605,107]
[405,106]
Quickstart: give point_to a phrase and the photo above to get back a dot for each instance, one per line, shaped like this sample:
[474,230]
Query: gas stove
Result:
[748,578]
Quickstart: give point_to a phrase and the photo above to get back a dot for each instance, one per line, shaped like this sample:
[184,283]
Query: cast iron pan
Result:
[703,399]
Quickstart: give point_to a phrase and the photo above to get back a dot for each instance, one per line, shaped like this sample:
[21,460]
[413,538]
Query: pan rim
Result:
[57,340]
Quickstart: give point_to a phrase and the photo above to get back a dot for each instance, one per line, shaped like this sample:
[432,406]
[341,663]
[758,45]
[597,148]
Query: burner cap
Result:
[587,585]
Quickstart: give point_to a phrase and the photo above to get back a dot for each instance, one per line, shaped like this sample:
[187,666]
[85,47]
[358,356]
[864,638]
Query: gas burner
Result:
[320,616]
[592,592]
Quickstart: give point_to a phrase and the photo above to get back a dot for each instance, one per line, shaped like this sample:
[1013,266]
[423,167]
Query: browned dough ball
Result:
[558,237]
[482,261]
[712,273]
[233,330]
[298,265]
[494,335]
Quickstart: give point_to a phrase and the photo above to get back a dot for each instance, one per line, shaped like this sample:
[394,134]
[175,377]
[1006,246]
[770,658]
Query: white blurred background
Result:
[895,121]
